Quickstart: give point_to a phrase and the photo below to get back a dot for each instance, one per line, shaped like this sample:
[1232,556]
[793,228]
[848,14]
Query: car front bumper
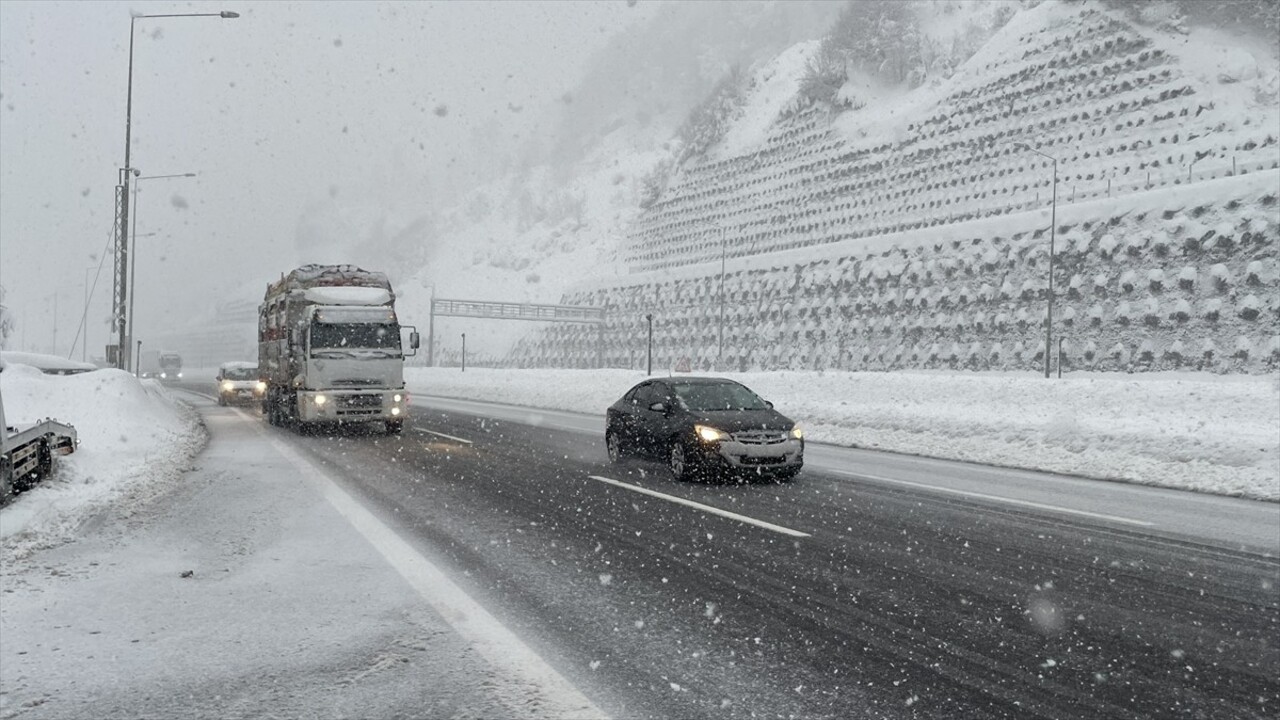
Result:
[240,393]
[783,456]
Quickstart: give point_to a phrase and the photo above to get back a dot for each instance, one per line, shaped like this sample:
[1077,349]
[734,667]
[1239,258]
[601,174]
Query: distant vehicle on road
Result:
[702,425]
[166,366]
[170,367]
[238,382]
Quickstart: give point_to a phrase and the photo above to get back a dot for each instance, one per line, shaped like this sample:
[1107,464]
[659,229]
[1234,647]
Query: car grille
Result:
[760,437]
[772,460]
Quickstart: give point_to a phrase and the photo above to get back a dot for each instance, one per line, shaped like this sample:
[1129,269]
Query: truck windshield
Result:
[342,338]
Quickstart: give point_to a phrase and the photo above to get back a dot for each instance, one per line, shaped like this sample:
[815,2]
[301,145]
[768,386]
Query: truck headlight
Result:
[710,434]
[261,387]
[397,397]
[395,411]
[320,399]
[227,386]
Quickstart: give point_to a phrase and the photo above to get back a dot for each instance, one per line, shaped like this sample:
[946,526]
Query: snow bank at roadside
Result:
[134,440]
[1192,431]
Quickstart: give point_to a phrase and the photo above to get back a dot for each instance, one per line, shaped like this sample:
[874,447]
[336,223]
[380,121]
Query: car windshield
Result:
[240,373]
[718,396]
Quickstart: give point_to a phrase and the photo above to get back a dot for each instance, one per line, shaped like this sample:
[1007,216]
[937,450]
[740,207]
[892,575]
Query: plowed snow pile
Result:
[135,441]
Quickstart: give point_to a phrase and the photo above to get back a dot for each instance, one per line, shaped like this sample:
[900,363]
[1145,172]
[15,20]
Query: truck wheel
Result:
[290,414]
[394,427]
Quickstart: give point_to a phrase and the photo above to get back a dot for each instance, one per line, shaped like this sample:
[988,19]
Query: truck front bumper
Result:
[352,405]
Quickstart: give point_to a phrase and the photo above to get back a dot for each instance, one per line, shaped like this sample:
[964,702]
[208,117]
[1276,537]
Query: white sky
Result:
[278,109]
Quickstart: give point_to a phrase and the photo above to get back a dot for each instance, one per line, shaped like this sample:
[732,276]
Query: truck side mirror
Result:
[413,340]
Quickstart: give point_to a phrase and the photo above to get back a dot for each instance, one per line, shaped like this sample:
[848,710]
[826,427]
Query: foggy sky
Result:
[290,105]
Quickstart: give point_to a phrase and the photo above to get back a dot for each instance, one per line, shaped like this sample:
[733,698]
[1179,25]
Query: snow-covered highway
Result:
[490,562]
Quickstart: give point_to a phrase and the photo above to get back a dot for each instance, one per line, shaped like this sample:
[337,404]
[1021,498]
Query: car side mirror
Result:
[768,404]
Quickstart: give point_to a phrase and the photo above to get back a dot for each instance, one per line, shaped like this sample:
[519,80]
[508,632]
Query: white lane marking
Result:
[500,647]
[447,437]
[704,508]
[997,498]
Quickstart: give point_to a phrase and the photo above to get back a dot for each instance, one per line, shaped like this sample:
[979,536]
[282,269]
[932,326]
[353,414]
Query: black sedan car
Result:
[700,425]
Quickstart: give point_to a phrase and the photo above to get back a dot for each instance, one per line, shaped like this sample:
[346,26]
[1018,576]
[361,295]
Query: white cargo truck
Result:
[330,349]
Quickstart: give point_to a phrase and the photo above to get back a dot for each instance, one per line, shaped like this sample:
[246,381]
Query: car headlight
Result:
[320,399]
[261,387]
[710,434]
[163,376]
[227,386]
[797,433]
[179,376]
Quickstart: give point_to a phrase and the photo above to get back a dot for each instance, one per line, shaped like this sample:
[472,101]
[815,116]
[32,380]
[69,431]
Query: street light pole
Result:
[133,251]
[121,295]
[1053,229]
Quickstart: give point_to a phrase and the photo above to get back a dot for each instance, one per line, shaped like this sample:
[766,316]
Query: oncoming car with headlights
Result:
[238,382]
[701,425]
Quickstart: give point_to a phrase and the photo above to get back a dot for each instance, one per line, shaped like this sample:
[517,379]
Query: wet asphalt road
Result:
[845,599]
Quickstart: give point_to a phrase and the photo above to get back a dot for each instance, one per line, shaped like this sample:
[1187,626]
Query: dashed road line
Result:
[447,437]
[703,508]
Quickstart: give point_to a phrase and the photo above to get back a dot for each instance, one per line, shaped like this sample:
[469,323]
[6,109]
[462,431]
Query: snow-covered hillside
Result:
[1124,107]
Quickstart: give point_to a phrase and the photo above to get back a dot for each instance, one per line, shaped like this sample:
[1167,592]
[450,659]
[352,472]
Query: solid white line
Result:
[505,652]
[704,508]
[448,437]
[997,498]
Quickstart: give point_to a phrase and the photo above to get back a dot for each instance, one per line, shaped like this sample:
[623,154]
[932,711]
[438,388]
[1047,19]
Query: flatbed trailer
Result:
[26,452]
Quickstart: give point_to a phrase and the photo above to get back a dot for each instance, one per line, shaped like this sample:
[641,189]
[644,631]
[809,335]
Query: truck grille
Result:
[359,401]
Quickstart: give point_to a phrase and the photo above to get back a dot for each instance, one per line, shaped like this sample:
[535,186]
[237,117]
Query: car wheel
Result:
[614,445]
[678,460]
[222,402]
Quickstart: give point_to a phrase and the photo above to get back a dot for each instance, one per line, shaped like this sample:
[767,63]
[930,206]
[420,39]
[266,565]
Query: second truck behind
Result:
[329,348]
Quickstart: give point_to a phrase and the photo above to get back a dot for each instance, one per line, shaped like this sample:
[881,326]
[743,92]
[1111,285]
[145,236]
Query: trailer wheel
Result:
[6,479]
[43,469]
